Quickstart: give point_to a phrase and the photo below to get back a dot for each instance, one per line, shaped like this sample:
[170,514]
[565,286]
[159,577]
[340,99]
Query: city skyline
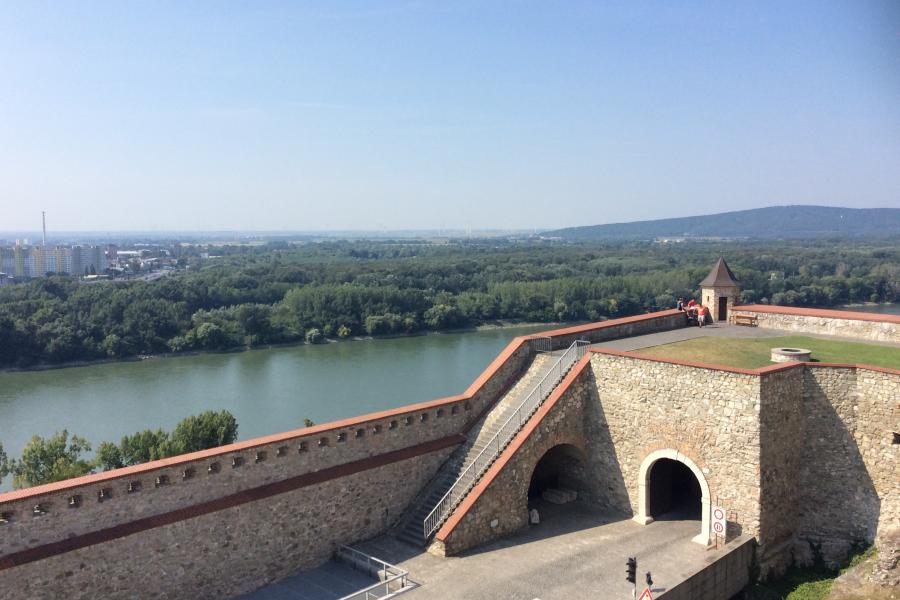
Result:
[424,116]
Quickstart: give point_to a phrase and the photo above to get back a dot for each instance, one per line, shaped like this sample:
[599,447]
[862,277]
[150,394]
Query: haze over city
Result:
[424,115]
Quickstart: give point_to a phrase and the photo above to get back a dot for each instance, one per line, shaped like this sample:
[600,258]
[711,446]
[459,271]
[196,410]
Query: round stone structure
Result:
[791,355]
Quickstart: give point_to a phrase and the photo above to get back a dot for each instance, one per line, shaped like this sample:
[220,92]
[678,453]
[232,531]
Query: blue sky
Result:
[387,115]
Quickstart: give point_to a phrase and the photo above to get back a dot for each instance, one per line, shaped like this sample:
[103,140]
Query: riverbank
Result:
[494,326]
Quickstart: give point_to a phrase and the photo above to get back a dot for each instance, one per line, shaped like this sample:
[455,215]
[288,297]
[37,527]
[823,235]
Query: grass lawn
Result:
[752,353]
[806,583]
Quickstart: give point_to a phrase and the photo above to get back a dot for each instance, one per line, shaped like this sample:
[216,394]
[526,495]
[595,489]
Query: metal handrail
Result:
[395,578]
[541,343]
[504,435]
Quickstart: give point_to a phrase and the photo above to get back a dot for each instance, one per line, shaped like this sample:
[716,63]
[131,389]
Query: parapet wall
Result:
[864,326]
[49,513]
[233,550]
[616,328]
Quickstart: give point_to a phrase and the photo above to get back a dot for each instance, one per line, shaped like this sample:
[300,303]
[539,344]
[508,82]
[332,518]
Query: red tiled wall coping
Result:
[605,324]
[851,315]
[220,451]
[511,450]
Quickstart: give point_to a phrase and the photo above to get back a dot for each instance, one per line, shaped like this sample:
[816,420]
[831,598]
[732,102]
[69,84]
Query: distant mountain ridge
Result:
[796,221]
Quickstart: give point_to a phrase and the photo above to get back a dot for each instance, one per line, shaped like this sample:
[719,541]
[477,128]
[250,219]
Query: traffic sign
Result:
[646,595]
[719,520]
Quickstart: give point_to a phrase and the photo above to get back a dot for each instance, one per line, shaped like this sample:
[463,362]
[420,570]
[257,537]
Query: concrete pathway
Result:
[331,581]
[575,552]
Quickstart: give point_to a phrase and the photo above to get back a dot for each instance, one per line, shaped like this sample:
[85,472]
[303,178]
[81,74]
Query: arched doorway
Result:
[674,492]
[671,486]
[563,467]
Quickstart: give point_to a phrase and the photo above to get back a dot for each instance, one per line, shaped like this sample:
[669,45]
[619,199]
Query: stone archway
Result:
[644,516]
[563,466]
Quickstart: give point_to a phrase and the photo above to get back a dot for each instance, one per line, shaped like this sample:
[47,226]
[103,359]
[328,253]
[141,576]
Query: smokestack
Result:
[44,223]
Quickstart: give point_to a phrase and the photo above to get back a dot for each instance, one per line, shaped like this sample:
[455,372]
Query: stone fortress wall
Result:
[864,326]
[804,456]
[237,517]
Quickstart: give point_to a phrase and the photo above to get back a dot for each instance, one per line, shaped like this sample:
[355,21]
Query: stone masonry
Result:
[233,551]
[872,327]
[803,456]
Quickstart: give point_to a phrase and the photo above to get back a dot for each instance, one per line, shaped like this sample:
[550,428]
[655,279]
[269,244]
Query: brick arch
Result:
[643,517]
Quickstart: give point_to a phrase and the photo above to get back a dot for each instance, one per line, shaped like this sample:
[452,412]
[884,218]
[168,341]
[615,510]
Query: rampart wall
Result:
[498,505]
[227,520]
[865,326]
[619,410]
[849,487]
[231,550]
[616,328]
[709,416]
[803,456]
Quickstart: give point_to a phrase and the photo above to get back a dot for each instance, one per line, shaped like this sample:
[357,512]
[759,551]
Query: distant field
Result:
[754,353]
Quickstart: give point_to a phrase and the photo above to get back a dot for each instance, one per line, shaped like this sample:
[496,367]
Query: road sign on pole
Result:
[719,520]
[646,595]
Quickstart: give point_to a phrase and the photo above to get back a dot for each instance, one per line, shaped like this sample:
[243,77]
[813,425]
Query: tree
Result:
[145,446]
[314,336]
[108,457]
[307,422]
[113,346]
[211,337]
[207,430]
[54,459]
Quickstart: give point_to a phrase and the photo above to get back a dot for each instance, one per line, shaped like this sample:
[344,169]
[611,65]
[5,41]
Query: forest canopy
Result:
[313,291]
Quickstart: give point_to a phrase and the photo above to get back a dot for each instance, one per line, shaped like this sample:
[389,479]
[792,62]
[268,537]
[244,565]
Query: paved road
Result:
[574,553]
[331,581]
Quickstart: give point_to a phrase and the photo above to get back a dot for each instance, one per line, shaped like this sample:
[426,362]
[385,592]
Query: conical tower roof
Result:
[720,276]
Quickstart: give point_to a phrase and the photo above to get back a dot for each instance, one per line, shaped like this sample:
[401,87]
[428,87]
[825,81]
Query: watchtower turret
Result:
[720,291]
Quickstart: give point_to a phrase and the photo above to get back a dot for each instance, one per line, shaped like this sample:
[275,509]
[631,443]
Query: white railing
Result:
[504,435]
[541,343]
[392,579]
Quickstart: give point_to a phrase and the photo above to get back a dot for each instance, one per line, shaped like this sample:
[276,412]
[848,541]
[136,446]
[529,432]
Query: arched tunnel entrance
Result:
[562,469]
[672,487]
[674,492]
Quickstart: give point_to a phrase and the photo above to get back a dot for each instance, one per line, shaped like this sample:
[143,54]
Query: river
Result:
[267,390]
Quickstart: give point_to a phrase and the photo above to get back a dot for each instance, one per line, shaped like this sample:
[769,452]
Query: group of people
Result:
[696,313]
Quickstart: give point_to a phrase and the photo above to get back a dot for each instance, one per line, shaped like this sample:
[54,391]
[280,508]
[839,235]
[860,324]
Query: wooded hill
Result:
[771,222]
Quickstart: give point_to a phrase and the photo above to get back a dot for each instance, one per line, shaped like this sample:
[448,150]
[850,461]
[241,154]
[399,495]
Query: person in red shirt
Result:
[703,315]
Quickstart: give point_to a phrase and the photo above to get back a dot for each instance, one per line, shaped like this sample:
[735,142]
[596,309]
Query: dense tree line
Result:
[59,457]
[313,291]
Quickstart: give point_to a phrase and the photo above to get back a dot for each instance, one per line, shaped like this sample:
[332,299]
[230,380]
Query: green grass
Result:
[806,583]
[752,353]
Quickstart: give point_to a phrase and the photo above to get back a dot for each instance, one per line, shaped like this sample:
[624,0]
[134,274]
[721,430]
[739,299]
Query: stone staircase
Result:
[409,528]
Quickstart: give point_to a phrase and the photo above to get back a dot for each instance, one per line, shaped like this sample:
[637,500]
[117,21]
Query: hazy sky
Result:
[385,115]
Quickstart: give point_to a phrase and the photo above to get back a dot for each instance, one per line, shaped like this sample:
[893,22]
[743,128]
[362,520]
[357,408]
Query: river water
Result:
[268,390]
